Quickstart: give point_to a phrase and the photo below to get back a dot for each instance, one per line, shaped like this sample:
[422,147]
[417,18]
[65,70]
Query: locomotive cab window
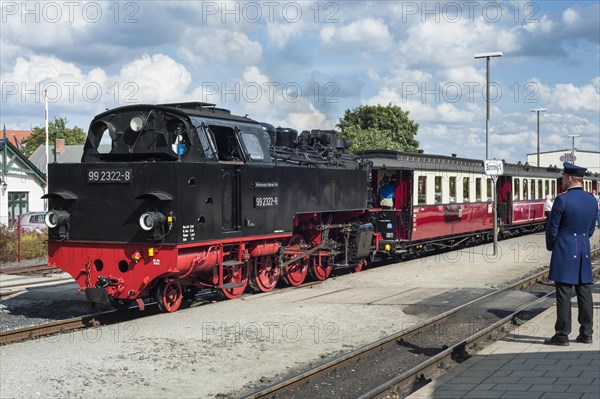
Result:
[253,147]
[228,147]
[178,136]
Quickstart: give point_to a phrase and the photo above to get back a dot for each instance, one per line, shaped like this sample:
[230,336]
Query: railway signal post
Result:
[494,168]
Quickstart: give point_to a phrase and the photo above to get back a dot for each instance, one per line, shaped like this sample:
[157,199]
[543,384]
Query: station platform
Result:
[520,366]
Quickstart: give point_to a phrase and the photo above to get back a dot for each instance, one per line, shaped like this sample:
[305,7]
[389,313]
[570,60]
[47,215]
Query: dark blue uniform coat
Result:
[568,232]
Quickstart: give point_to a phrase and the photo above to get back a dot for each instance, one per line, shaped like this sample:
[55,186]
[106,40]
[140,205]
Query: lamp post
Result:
[572,160]
[538,110]
[487,57]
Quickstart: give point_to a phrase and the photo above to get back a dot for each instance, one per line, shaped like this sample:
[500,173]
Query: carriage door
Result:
[504,198]
[230,199]
[403,198]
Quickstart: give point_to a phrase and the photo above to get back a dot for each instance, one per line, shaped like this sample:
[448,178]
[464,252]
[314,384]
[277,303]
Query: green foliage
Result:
[58,126]
[33,245]
[378,127]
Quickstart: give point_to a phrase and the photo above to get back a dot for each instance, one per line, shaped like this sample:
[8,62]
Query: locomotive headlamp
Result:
[136,123]
[151,220]
[56,218]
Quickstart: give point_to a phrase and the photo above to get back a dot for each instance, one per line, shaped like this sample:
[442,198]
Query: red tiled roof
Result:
[19,135]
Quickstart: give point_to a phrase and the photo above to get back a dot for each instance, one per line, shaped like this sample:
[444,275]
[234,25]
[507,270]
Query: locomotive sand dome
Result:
[190,196]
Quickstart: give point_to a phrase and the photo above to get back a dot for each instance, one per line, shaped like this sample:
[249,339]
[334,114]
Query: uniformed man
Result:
[568,232]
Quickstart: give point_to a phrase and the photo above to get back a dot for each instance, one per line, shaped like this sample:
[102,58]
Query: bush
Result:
[33,245]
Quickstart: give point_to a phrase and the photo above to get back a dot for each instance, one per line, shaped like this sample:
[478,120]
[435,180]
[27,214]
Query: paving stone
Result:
[584,388]
[511,387]
[448,394]
[564,373]
[538,380]
[484,387]
[483,395]
[574,381]
[494,379]
[548,388]
[528,373]
[522,395]
[559,395]
[451,386]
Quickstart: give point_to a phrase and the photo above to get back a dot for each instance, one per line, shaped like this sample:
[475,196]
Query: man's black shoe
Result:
[582,339]
[556,341]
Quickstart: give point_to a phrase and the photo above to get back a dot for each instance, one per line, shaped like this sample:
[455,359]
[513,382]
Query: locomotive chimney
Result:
[60,146]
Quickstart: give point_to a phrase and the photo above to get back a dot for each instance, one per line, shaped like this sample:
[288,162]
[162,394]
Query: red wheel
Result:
[169,296]
[320,267]
[359,266]
[296,272]
[237,277]
[265,274]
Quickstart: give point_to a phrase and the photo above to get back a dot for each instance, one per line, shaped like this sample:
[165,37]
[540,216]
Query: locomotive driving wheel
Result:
[320,267]
[235,281]
[265,274]
[296,272]
[169,296]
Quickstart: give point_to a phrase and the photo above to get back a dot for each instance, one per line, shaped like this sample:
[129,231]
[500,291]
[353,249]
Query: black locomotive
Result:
[190,196]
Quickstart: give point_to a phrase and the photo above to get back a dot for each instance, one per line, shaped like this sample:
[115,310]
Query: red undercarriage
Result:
[129,272]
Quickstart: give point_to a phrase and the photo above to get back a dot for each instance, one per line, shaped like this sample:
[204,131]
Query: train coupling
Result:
[96,295]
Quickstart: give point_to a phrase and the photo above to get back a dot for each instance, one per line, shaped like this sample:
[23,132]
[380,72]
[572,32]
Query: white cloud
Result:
[219,46]
[71,91]
[159,78]
[570,17]
[366,34]
[569,97]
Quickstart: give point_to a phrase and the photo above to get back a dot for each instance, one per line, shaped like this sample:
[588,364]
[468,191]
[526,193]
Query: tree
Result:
[378,127]
[58,126]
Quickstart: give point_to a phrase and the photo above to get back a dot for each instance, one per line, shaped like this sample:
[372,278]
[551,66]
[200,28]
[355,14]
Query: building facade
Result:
[586,159]
[22,184]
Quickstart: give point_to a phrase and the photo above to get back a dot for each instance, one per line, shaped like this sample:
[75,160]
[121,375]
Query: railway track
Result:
[99,319]
[433,357]
[35,269]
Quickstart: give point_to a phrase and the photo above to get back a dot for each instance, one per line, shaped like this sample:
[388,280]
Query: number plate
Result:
[109,176]
[265,202]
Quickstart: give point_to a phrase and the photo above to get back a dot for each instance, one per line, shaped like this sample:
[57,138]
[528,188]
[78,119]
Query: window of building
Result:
[478,189]
[422,190]
[452,185]
[438,189]
[18,204]
[466,189]
[517,191]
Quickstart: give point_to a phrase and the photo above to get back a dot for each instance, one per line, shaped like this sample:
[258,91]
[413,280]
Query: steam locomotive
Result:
[189,196]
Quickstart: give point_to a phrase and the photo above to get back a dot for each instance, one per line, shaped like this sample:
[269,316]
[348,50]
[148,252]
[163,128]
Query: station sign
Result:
[493,167]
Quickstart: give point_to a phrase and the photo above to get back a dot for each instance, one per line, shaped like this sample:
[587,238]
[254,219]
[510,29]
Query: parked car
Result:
[33,221]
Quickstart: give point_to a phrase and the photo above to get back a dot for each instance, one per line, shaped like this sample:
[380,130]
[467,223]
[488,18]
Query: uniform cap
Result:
[573,170]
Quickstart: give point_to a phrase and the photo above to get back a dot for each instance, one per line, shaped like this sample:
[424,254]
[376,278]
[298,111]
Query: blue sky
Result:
[302,64]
